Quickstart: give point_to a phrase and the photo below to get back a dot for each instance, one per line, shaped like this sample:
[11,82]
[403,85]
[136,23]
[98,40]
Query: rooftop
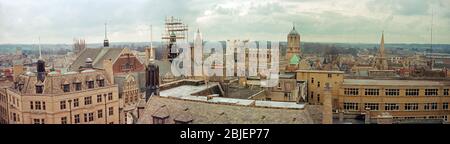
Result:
[236,91]
[185,90]
[395,82]
[287,75]
[321,71]
[210,112]
[97,55]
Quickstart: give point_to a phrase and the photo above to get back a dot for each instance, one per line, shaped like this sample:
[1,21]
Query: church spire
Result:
[382,45]
[152,51]
[40,65]
[106,31]
[293,25]
[106,41]
[40,51]
[151,36]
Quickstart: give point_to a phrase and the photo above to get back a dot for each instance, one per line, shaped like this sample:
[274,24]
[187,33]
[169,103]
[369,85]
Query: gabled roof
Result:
[97,55]
[162,112]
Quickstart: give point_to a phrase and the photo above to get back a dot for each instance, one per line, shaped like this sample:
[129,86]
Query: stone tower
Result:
[293,51]
[327,114]
[293,40]
[151,80]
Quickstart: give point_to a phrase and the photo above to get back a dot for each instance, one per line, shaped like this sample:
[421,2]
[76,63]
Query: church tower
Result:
[381,62]
[293,51]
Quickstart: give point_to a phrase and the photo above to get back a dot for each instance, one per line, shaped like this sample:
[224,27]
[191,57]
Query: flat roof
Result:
[320,71]
[184,90]
[193,98]
[395,82]
[279,104]
[231,101]
[287,75]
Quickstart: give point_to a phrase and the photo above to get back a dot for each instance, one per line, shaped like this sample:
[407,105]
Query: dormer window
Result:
[159,120]
[77,86]
[66,87]
[161,115]
[20,87]
[101,83]
[184,117]
[39,89]
[90,84]
[182,122]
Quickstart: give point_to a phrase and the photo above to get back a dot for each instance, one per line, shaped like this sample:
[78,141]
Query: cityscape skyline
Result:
[316,21]
[242,80]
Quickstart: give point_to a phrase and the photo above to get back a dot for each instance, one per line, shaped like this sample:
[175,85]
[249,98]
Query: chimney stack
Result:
[108,66]
[88,63]
[367,116]
[327,114]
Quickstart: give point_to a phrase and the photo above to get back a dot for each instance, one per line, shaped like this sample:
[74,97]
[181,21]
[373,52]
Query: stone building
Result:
[84,96]
[127,71]
[405,100]
[293,51]
[316,81]
[4,114]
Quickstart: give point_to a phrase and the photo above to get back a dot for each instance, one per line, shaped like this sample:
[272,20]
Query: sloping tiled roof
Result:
[164,67]
[80,61]
[52,83]
[109,53]
[216,113]
[97,55]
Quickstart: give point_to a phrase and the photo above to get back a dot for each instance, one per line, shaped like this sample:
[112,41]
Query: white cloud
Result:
[22,21]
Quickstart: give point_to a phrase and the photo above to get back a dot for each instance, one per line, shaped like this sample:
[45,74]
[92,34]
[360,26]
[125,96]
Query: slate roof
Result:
[203,112]
[97,55]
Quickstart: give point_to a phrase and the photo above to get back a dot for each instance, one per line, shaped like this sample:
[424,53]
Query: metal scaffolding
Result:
[175,30]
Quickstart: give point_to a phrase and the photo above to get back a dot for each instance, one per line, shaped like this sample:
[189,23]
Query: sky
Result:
[345,21]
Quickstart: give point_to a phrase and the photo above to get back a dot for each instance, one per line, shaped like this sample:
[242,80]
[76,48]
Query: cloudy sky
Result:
[356,21]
